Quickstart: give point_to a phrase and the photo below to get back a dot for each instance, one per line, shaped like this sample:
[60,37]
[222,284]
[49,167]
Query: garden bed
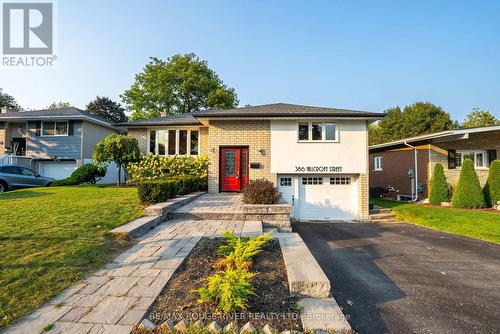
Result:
[272,304]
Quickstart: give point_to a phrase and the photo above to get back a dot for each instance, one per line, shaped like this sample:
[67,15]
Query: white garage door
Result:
[57,170]
[327,198]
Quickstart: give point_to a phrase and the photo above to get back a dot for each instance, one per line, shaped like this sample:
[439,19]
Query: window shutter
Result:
[451,159]
[71,128]
[492,155]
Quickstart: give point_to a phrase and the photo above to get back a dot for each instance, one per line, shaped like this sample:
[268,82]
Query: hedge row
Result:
[157,191]
[87,173]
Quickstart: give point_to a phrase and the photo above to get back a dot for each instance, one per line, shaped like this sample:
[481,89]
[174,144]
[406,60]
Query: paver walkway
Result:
[113,299]
[215,203]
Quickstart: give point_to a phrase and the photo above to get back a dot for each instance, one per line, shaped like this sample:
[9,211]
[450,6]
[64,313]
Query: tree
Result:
[468,193]
[58,105]
[107,109]
[119,149]
[438,188]
[491,189]
[415,119]
[478,117]
[182,84]
[7,101]
[374,134]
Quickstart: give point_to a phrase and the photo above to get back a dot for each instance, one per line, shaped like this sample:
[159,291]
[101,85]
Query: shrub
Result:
[261,191]
[491,189]
[87,173]
[468,192]
[438,189]
[228,290]
[239,252]
[156,191]
[155,167]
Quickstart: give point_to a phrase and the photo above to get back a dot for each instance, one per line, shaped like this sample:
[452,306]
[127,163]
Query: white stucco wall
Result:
[349,153]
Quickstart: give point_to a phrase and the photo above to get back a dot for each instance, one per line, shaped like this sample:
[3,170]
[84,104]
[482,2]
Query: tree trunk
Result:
[119,175]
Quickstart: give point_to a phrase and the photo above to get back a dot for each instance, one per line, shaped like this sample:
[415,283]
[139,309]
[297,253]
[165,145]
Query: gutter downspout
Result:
[414,196]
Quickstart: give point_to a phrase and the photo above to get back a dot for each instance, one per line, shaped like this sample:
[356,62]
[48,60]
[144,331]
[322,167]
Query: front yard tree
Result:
[438,190]
[468,193]
[117,148]
[7,101]
[181,84]
[107,109]
[492,187]
[478,117]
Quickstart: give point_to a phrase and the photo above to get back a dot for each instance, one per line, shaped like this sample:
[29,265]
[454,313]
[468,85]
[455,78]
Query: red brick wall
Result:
[395,166]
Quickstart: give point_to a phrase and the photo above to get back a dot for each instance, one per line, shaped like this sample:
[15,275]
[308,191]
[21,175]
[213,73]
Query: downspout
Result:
[415,195]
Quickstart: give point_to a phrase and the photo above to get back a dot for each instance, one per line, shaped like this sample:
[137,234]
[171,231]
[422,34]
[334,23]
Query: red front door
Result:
[233,168]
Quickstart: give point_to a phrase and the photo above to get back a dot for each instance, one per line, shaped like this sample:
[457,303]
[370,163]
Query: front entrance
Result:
[19,146]
[233,168]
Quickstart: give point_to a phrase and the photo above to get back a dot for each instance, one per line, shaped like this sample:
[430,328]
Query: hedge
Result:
[492,187]
[157,167]
[468,193]
[87,173]
[156,191]
[438,188]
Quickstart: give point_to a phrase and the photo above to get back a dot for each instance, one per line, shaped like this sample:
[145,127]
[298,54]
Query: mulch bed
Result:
[272,305]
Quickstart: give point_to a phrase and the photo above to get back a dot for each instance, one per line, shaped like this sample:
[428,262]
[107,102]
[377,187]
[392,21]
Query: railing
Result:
[9,159]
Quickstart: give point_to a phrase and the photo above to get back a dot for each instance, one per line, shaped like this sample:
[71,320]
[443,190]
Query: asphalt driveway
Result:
[400,278]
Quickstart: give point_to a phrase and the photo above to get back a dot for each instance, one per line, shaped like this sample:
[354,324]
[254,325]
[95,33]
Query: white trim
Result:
[378,166]
[323,131]
[49,118]
[177,137]
[55,127]
[475,152]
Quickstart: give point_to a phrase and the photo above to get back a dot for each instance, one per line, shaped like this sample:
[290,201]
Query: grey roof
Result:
[286,110]
[70,112]
[182,119]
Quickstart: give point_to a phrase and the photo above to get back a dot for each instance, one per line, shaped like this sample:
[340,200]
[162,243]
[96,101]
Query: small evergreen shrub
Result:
[156,191]
[87,173]
[438,189]
[261,191]
[491,189]
[239,252]
[468,193]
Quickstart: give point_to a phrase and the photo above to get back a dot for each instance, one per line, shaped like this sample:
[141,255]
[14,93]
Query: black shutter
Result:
[71,128]
[492,155]
[451,159]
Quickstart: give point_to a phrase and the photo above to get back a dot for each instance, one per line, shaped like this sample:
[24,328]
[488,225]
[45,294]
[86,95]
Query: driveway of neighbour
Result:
[400,278]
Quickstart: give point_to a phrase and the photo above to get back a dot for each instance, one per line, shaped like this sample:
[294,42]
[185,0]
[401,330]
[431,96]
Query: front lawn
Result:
[52,237]
[477,224]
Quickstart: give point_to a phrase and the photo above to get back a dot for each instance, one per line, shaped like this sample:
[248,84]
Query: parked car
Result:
[14,176]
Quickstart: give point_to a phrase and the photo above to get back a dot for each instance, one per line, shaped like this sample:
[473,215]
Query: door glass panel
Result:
[194,143]
[244,162]
[229,163]
[171,142]
[161,142]
[316,131]
[183,137]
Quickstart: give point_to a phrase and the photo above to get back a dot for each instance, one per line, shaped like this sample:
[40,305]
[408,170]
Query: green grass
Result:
[52,237]
[477,224]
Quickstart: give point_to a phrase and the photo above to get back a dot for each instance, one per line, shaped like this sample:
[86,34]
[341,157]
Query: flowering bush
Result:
[154,167]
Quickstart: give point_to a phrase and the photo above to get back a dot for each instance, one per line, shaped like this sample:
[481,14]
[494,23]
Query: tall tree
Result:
[478,117]
[7,101]
[107,109]
[181,84]
[58,105]
[415,119]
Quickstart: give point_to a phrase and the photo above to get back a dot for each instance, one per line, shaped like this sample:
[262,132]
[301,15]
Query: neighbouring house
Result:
[317,157]
[393,164]
[52,142]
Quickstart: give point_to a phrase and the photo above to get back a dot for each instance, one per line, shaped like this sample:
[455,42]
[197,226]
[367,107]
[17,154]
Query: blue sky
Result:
[366,55]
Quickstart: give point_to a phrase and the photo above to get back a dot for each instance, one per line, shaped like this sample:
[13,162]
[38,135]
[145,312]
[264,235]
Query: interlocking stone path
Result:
[115,298]
[215,203]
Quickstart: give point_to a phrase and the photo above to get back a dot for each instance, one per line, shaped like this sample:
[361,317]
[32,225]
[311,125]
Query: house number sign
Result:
[318,169]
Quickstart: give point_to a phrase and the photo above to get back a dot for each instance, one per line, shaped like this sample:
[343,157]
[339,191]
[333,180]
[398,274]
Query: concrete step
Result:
[386,220]
[323,316]
[305,276]
[381,216]
[161,209]
[380,210]
[138,226]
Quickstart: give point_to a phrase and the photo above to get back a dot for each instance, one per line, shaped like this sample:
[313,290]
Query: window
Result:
[479,158]
[194,143]
[171,142]
[55,128]
[317,131]
[161,142]
[340,180]
[152,141]
[10,170]
[244,162]
[183,137]
[303,131]
[285,181]
[312,180]
[377,163]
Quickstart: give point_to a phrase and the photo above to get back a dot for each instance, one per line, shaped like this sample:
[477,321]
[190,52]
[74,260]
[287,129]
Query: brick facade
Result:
[142,137]
[254,134]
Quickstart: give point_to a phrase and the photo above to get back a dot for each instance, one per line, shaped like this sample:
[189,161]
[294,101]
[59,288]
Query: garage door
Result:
[327,198]
[57,170]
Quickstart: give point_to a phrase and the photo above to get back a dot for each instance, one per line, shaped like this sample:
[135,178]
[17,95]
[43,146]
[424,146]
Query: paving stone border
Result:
[271,215]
